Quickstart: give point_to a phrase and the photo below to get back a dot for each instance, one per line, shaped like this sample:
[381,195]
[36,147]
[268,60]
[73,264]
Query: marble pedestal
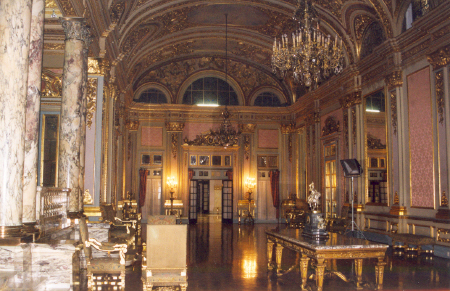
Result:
[313,228]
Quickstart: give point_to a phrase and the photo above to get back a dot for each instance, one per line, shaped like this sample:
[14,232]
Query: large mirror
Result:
[376,149]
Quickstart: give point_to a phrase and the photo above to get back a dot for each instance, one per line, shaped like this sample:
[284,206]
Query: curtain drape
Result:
[275,189]
[229,174]
[191,174]
[142,187]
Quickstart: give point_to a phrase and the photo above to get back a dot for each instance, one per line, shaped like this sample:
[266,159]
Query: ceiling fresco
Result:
[142,37]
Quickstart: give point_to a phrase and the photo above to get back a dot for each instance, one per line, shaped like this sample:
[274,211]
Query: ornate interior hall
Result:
[192,144]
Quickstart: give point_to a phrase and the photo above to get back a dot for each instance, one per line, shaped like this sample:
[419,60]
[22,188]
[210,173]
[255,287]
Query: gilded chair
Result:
[99,268]
[340,224]
[164,264]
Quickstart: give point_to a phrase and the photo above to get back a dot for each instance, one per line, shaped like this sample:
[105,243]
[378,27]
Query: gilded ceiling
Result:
[141,38]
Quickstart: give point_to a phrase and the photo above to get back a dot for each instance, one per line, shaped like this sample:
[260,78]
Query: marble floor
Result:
[233,257]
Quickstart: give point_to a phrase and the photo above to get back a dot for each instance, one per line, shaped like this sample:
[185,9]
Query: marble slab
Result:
[335,242]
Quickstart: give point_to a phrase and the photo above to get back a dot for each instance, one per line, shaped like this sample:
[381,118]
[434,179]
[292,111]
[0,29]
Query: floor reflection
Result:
[234,257]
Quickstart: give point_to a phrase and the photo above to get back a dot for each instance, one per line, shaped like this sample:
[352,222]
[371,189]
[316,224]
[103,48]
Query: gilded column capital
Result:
[247,128]
[175,126]
[394,79]
[132,124]
[287,128]
[351,99]
[94,67]
[76,28]
[439,58]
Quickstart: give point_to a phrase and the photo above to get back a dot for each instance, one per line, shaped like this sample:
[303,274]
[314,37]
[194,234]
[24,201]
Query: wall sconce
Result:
[250,184]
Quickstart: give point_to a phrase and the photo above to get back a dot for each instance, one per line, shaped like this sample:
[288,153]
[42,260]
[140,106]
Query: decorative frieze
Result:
[175,126]
[247,128]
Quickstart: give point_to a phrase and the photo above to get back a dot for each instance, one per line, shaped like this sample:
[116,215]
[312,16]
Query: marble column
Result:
[32,113]
[15,19]
[70,134]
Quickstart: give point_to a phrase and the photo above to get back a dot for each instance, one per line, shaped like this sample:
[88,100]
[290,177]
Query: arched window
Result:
[373,36]
[268,99]
[210,91]
[152,96]
[416,9]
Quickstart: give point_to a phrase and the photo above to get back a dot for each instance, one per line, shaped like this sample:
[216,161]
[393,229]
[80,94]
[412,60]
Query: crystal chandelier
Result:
[310,56]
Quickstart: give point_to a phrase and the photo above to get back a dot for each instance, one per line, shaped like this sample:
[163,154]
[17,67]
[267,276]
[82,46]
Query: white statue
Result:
[313,198]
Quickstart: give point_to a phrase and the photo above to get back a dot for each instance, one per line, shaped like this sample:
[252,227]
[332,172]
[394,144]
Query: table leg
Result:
[304,270]
[358,270]
[320,270]
[269,254]
[279,253]
[379,272]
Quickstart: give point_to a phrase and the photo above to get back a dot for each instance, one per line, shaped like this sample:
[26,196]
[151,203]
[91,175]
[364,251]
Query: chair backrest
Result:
[344,211]
[166,246]
[161,219]
[84,235]
[108,212]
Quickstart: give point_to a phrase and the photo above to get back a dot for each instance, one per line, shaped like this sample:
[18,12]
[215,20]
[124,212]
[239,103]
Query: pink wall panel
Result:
[152,136]
[421,139]
[191,130]
[268,138]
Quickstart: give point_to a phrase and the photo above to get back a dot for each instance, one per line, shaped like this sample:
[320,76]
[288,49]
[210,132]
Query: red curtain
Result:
[191,174]
[229,175]
[143,173]
[275,187]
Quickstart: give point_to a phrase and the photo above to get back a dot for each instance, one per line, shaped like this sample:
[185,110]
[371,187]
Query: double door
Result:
[199,200]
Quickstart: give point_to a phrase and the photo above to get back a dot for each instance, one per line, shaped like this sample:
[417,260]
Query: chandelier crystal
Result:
[309,55]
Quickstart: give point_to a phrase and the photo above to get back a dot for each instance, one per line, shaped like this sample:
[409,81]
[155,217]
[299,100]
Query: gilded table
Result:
[336,247]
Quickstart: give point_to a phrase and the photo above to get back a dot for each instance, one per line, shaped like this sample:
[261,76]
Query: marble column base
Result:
[10,231]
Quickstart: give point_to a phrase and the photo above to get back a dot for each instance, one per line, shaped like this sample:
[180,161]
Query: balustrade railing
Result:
[54,203]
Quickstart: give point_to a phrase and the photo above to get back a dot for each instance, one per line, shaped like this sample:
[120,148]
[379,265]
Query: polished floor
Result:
[234,257]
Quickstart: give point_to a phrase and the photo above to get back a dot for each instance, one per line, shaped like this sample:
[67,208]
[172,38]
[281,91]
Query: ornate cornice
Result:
[394,79]
[247,128]
[175,126]
[440,58]
[76,28]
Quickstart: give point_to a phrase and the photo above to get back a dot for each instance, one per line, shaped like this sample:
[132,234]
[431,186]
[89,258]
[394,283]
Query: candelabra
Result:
[171,183]
[250,184]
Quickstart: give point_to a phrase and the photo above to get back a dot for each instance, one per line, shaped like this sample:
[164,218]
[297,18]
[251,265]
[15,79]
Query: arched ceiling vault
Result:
[143,36]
